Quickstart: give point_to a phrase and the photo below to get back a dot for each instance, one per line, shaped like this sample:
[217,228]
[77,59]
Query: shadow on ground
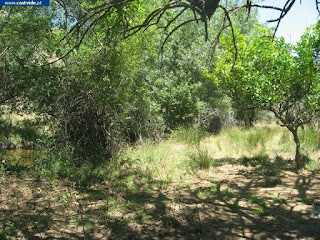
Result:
[255,199]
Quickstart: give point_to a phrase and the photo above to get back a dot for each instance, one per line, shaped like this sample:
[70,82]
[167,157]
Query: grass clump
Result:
[229,192]
[262,212]
[260,202]
[259,160]
[200,158]
[263,206]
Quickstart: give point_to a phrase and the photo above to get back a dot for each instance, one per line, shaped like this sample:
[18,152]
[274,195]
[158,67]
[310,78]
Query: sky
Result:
[295,22]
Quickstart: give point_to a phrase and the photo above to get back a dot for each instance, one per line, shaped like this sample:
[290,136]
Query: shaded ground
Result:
[226,202]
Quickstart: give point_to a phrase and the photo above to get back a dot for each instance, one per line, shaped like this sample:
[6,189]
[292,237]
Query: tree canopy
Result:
[274,76]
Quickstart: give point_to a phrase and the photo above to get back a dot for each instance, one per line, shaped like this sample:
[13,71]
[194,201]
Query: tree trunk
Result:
[249,117]
[298,157]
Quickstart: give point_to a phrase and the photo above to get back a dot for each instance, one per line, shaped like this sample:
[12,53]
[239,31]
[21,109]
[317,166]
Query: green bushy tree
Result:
[274,76]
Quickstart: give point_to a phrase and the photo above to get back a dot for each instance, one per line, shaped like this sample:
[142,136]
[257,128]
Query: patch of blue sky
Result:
[302,14]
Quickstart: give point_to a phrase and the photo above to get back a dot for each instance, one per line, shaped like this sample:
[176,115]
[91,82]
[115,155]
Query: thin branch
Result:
[80,41]
[217,38]
[317,6]
[286,8]
[93,15]
[284,12]
[175,29]
[158,13]
[175,18]
[233,34]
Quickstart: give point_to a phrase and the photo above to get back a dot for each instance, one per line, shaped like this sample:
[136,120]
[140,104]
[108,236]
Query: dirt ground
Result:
[226,202]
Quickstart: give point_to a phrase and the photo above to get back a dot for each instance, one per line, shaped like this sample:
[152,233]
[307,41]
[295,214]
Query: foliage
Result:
[22,46]
[269,76]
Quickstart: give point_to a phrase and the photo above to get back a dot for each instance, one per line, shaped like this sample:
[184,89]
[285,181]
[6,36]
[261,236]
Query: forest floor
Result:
[227,202]
[240,184]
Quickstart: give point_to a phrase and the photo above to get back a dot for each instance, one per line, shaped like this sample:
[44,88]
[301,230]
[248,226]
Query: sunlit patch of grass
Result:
[164,161]
[237,142]
[252,138]
[169,160]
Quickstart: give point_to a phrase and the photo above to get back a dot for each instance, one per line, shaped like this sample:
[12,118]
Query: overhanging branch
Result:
[202,11]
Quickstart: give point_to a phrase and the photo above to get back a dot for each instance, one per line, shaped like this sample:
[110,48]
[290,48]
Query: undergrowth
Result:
[172,159]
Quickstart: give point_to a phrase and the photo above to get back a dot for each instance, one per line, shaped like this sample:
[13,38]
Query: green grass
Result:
[263,209]
[171,159]
[200,158]
[191,136]
[313,165]
[229,192]
[310,139]
[251,140]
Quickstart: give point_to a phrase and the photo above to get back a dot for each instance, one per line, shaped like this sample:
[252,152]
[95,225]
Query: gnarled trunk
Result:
[298,157]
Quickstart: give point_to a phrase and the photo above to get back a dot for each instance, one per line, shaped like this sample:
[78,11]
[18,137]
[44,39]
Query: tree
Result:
[167,15]
[273,76]
[24,44]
